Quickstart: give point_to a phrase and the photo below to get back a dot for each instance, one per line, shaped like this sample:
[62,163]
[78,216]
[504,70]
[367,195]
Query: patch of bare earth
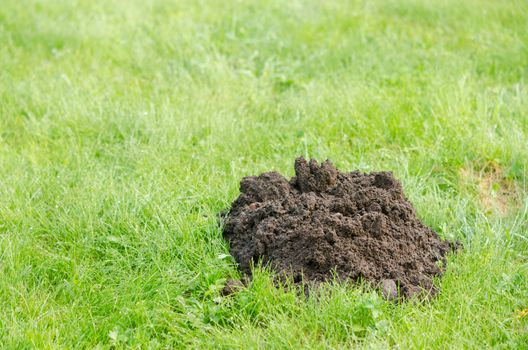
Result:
[496,193]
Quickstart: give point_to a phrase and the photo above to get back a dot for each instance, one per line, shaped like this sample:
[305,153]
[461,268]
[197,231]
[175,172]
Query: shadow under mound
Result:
[359,225]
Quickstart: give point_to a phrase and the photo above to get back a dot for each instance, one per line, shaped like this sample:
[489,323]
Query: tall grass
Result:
[125,128]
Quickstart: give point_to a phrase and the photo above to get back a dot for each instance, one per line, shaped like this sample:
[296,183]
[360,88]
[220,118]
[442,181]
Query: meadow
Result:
[126,126]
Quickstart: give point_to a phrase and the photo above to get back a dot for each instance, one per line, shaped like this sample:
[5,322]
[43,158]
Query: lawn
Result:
[126,126]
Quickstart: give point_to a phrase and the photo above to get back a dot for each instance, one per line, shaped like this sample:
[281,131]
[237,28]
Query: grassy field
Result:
[125,127]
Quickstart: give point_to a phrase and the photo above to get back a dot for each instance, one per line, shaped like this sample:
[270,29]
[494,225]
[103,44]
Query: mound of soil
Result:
[360,225]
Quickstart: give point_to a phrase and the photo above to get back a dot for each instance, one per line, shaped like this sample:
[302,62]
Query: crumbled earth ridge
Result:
[359,225]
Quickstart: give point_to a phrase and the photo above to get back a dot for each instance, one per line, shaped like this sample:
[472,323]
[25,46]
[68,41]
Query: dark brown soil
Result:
[322,220]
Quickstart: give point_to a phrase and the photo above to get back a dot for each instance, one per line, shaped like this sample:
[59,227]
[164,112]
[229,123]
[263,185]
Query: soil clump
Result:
[359,225]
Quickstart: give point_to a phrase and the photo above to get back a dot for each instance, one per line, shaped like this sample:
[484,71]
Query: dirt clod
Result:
[232,286]
[359,225]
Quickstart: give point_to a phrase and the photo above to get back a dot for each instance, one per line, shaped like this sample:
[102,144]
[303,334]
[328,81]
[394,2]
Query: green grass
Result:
[125,127]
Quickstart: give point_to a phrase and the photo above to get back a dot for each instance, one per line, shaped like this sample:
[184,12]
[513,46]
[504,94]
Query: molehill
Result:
[359,225]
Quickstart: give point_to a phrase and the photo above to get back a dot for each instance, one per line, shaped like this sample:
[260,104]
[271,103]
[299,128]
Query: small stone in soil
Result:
[389,289]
